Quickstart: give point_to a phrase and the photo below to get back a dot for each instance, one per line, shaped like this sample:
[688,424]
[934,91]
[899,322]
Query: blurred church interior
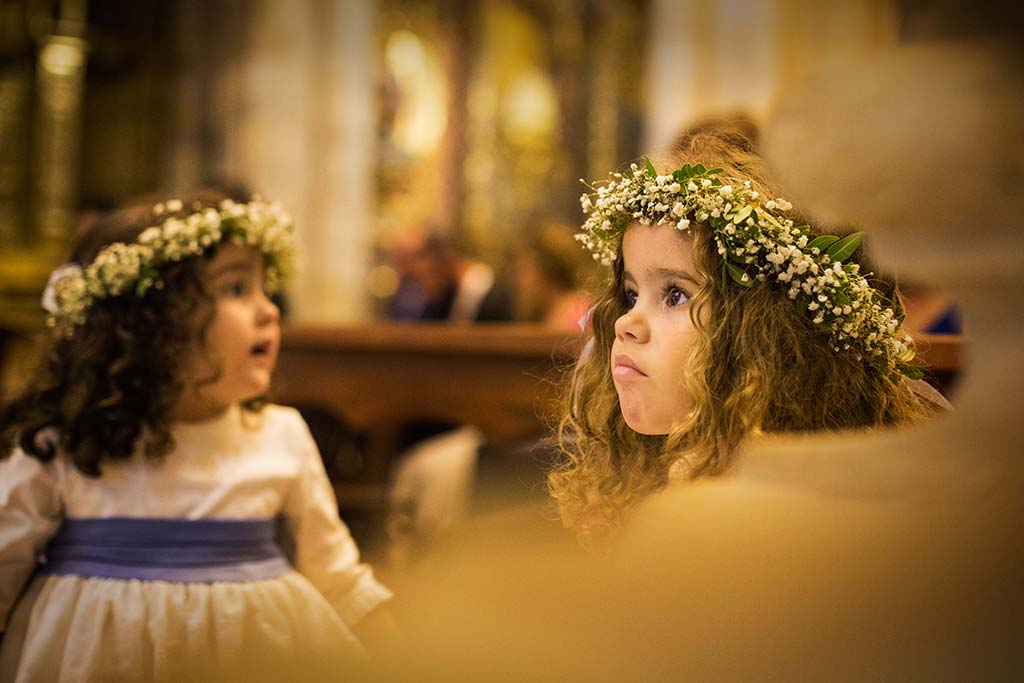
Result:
[407,138]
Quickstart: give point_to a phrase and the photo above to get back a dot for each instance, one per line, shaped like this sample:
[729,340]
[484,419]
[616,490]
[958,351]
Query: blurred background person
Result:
[438,281]
[549,278]
[928,310]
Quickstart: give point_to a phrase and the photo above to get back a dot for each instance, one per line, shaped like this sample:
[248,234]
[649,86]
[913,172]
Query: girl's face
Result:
[241,342]
[654,336]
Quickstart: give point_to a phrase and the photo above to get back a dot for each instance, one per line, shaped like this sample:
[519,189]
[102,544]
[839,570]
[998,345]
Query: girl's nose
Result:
[268,312]
[633,326]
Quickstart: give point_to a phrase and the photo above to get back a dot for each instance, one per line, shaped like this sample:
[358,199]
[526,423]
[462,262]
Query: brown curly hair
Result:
[118,376]
[758,365]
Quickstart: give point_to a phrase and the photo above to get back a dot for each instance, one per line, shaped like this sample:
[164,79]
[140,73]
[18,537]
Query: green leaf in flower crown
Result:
[908,355]
[910,371]
[651,171]
[822,242]
[841,299]
[742,214]
[714,171]
[738,275]
[699,169]
[844,248]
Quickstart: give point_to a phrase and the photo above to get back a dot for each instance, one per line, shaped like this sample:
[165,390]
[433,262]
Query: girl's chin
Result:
[642,425]
[648,431]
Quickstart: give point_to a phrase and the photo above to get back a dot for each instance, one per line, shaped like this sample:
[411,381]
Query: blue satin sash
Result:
[178,550]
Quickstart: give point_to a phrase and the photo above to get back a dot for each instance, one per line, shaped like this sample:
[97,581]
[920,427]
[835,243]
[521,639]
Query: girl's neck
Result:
[192,409]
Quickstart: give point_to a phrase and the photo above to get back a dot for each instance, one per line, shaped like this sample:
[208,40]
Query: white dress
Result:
[234,467]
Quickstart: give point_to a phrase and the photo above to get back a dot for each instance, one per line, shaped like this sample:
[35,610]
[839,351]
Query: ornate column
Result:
[60,78]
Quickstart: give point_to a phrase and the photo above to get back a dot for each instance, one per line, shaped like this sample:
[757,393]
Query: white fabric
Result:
[435,480]
[473,287]
[236,466]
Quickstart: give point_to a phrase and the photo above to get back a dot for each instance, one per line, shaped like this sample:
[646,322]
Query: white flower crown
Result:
[121,269]
[755,244]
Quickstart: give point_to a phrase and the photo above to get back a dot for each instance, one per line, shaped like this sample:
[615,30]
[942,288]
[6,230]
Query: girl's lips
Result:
[623,366]
[263,352]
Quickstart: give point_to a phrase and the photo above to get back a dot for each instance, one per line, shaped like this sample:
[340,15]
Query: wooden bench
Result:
[375,378]
[498,377]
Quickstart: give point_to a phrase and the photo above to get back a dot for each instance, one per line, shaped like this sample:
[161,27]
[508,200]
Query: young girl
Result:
[148,471]
[722,319]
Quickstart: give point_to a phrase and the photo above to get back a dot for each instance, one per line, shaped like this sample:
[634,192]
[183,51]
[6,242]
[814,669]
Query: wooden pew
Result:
[944,354]
[499,377]
[375,378]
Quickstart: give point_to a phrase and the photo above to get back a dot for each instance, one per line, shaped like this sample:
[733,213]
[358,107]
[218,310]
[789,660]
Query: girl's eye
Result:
[235,288]
[629,298]
[674,296]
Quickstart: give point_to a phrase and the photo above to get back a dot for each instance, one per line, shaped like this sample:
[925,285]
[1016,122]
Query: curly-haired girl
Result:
[722,319]
[148,472]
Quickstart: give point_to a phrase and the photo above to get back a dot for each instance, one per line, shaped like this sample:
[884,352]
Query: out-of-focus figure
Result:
[548,279]
[928,311]
[438,281]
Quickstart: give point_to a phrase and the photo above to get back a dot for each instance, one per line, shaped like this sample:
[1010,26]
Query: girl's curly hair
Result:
[118,376]
[758,365]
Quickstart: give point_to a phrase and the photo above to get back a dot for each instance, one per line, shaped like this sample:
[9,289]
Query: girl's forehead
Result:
[232,256]
[656,246]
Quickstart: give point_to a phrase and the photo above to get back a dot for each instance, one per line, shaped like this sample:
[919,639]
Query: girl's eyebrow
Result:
[232,266]
[670,274]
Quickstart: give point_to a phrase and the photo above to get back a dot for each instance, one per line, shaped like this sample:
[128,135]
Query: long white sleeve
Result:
[30,515]
[324,550]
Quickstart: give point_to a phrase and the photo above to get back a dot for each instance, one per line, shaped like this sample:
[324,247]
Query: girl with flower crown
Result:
[150,481]
[723,319]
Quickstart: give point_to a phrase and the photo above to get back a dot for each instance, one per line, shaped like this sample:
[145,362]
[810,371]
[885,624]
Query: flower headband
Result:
[755,244]
[121,268]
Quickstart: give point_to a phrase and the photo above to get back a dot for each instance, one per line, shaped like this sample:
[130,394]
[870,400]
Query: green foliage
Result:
[910,371]
[823,242]
[844,248]
[738,275]
[651,171]
[742,213]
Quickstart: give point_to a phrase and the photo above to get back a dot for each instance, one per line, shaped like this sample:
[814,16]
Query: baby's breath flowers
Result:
[133,269]
[756,243]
